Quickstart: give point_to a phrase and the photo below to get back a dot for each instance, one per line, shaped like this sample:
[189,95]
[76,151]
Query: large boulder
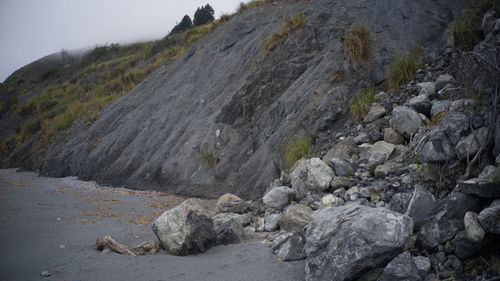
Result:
[230,203]
[185,229]
[310,175]
[405,120]
[344,242]
[279,197]
[483,187]
[446,219]
[489,218]
[438,147]
[295,217]
[471,144]
[420,205]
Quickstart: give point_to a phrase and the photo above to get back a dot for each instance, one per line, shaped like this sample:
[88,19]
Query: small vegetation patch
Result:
[402,69]
[294,150]
[357,44]
[292,24]
[464,32]
[360,105]
[209,158]
[249,5]
[436,118]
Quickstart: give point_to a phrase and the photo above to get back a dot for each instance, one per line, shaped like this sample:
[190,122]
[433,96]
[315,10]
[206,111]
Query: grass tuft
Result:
[294,150]
[249,5]
[402,69]
[463,31]
[357,44]
[360,105]
[209,158]
[292,24]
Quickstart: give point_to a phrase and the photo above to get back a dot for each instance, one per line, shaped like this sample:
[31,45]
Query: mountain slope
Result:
[227,101]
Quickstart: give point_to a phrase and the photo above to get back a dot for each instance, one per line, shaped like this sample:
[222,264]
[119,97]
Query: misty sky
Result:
[31,29]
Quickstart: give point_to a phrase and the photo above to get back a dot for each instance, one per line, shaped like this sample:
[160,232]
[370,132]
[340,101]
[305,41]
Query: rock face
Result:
[344,242]
[295,217]
[279,197]
[310,175]
[185,229]
[405,120]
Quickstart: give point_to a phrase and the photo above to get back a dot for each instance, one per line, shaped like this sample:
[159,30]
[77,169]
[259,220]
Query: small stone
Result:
[391,168]
[310,175]
[376,111]
[45,273]
[426,88]
[489,218]
[405,121]
[363,150]
[341,167]
[226,198]
[420,206]
[439,106]
[421,104]
[340,192]
[351,191]
[487,172]
[148,247]
[380,204]
[471,144]
[279,197]
[341,182]
[271,222]
[295,217]
[473,229]
[399,202]
[391,136]
[442,81]
[330,200]
[362,138]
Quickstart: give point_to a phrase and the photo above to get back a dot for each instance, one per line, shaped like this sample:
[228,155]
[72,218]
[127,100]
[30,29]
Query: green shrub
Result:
[360,105]
[402,69]
[296,149]
[463,31]
[293,23]
[251,4]
[357,44]
[209,158]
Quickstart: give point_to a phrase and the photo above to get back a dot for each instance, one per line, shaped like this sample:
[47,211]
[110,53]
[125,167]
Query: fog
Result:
[31,29]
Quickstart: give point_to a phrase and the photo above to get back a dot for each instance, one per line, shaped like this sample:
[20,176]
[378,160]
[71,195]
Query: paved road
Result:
[51,224]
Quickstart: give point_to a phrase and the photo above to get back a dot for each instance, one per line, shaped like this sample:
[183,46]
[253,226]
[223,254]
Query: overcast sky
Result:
[31,29]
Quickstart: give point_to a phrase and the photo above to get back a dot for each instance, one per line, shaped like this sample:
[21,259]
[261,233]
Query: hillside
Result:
[220,118]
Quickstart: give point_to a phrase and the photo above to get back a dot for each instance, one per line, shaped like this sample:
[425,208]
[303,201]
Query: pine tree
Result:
[185,23]
[203,15]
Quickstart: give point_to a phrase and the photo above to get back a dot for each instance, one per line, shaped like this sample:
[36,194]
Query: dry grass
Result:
[292,24]
[357,44]
[209,158]
[402,69]
[294,150]
[249,5]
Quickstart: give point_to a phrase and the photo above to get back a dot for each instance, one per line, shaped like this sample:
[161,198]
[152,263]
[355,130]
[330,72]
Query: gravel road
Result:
[52,224]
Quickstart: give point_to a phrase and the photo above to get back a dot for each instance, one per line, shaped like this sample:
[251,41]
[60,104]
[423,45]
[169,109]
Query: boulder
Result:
[293,248]
[473,230]
[310,175]
[343,242]
[391,136]
[399,202]
[230,203]
[486,188]
[463,247]
[344,149]
[362,138]
[421,104]
[428,172]
[403,267]
[279,197]
[330,200]
[426,88]
[471,144]
[420,206]
[446,219]
[487,172]
[405,120]
[229,232]
[437,148]
[221,218]
[341,182]
[443,80]
[185,229]
[439,106]
[376,111]
[295,217]
[488,22]
[382,147]
[375,160]
[456,125]
[489,218]
[363,150]
[341,167]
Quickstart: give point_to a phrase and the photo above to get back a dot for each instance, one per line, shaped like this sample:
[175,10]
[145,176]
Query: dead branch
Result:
[108,242]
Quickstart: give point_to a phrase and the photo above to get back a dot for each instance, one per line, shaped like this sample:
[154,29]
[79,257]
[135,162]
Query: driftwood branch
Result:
[108,242]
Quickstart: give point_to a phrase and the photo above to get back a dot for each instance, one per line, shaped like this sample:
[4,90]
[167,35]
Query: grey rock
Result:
[428,172]
[45,273]
[420,206]
[382,147]
[230,203]
[456,125]
[391,168]
[185,229]
[340,192]
[486,188]
[344,149]
[463,105]
[147,248]
[473,230]
[341,182]
[344,242]
[376,111]
[363,151]
[350,192]
[271,222]
[401,267]
[293,248]
[443,80]
[437,148]
[423,264]
[439,106]
[399,202]
[362,138]
[471,144]
[229,232]
[421,104]
[295,217]
[342,167]
[221,218]
[451,267]
[280,240]
[489,218]
[310,175]
[446,219]
[391,136]
[487,172]
[405,120]
[279,197]
[367,192]
[330,200]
